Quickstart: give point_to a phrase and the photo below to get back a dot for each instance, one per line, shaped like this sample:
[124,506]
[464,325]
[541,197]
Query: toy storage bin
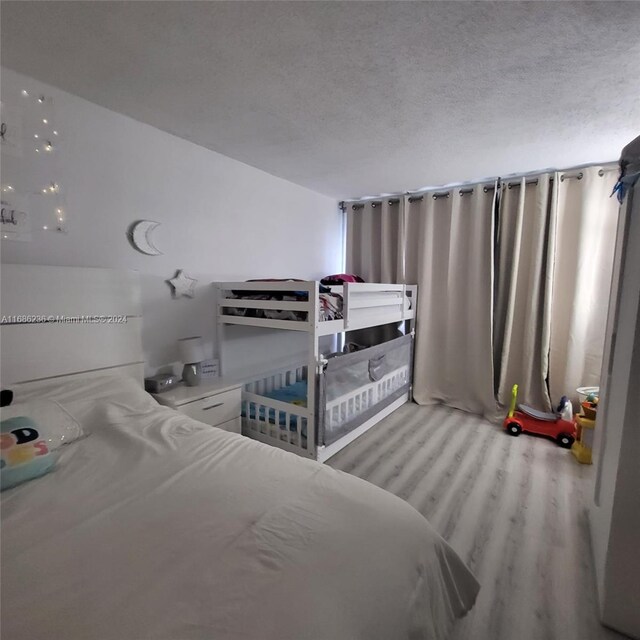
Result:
[585,392]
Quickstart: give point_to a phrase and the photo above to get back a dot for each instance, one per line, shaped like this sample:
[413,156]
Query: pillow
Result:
[24,453]
[56,426]
[85,398]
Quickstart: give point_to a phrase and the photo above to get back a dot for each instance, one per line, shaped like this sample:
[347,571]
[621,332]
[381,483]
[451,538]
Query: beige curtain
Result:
[449,255]
[517,295]
[586,234]
[374,240]
[525,241]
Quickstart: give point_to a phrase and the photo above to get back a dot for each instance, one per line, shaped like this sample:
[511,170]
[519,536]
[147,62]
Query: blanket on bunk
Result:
[330,303]
[338,279]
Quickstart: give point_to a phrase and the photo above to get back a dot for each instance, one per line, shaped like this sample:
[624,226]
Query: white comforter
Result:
[158,527]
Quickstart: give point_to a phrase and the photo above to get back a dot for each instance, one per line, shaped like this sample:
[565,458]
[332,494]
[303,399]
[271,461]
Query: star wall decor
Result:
[182,285]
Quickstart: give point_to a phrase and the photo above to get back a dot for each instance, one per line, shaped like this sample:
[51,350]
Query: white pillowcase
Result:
[56,425]
[86,398]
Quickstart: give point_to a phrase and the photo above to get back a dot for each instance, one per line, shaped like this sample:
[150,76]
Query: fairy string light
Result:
[33,137]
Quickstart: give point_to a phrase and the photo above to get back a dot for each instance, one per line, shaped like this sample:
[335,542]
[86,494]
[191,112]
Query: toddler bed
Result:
[315,408]
[351,389]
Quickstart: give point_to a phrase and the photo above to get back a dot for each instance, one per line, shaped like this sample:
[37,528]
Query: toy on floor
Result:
[590,406]
[560,425]
[586,422]
[583,446]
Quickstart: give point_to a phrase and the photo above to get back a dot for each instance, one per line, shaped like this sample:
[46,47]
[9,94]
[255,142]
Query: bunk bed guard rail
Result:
[356,386]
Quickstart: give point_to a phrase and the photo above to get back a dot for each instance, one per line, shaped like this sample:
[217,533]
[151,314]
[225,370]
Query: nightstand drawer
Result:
[214,409]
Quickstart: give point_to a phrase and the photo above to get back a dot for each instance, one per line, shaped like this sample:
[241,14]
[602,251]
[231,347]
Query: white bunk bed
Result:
[301,426]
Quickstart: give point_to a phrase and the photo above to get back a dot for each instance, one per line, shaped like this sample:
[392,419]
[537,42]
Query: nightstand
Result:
[215,402]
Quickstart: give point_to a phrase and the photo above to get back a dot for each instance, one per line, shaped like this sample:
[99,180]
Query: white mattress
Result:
[158,527]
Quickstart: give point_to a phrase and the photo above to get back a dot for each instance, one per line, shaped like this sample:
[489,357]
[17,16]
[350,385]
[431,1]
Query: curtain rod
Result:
[446,194]
[468,190]
[435,196]
[563,177]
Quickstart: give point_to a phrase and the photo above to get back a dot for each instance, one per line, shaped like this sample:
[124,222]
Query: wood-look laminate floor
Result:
[513,508]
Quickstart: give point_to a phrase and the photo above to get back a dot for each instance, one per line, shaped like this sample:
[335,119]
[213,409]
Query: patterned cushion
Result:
[24,453]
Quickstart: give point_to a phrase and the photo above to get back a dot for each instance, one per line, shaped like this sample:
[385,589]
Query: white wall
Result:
[221,219]
[615,512]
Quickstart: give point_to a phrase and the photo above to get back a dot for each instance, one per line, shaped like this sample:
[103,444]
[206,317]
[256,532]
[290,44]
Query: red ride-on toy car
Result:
[529,420]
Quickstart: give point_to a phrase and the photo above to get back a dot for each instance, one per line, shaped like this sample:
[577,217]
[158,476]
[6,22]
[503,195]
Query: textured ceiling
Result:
[352,98]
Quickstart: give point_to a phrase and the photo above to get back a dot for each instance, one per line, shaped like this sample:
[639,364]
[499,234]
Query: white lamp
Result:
[192,354]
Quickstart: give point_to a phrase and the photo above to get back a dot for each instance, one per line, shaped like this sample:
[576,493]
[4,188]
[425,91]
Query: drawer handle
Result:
[213,406]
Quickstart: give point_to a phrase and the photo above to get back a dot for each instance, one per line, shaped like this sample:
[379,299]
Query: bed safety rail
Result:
[363,305]
[369,304]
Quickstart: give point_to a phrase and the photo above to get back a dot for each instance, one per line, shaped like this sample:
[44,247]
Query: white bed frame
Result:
[364,305]
[68,321]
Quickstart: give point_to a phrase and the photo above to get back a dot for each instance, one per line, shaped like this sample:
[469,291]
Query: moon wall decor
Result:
[140,236]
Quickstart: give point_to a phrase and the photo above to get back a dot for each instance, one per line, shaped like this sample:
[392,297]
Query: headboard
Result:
[66,321]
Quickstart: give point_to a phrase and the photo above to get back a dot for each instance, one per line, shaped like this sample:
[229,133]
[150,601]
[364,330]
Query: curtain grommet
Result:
[601,172]
[580,176]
